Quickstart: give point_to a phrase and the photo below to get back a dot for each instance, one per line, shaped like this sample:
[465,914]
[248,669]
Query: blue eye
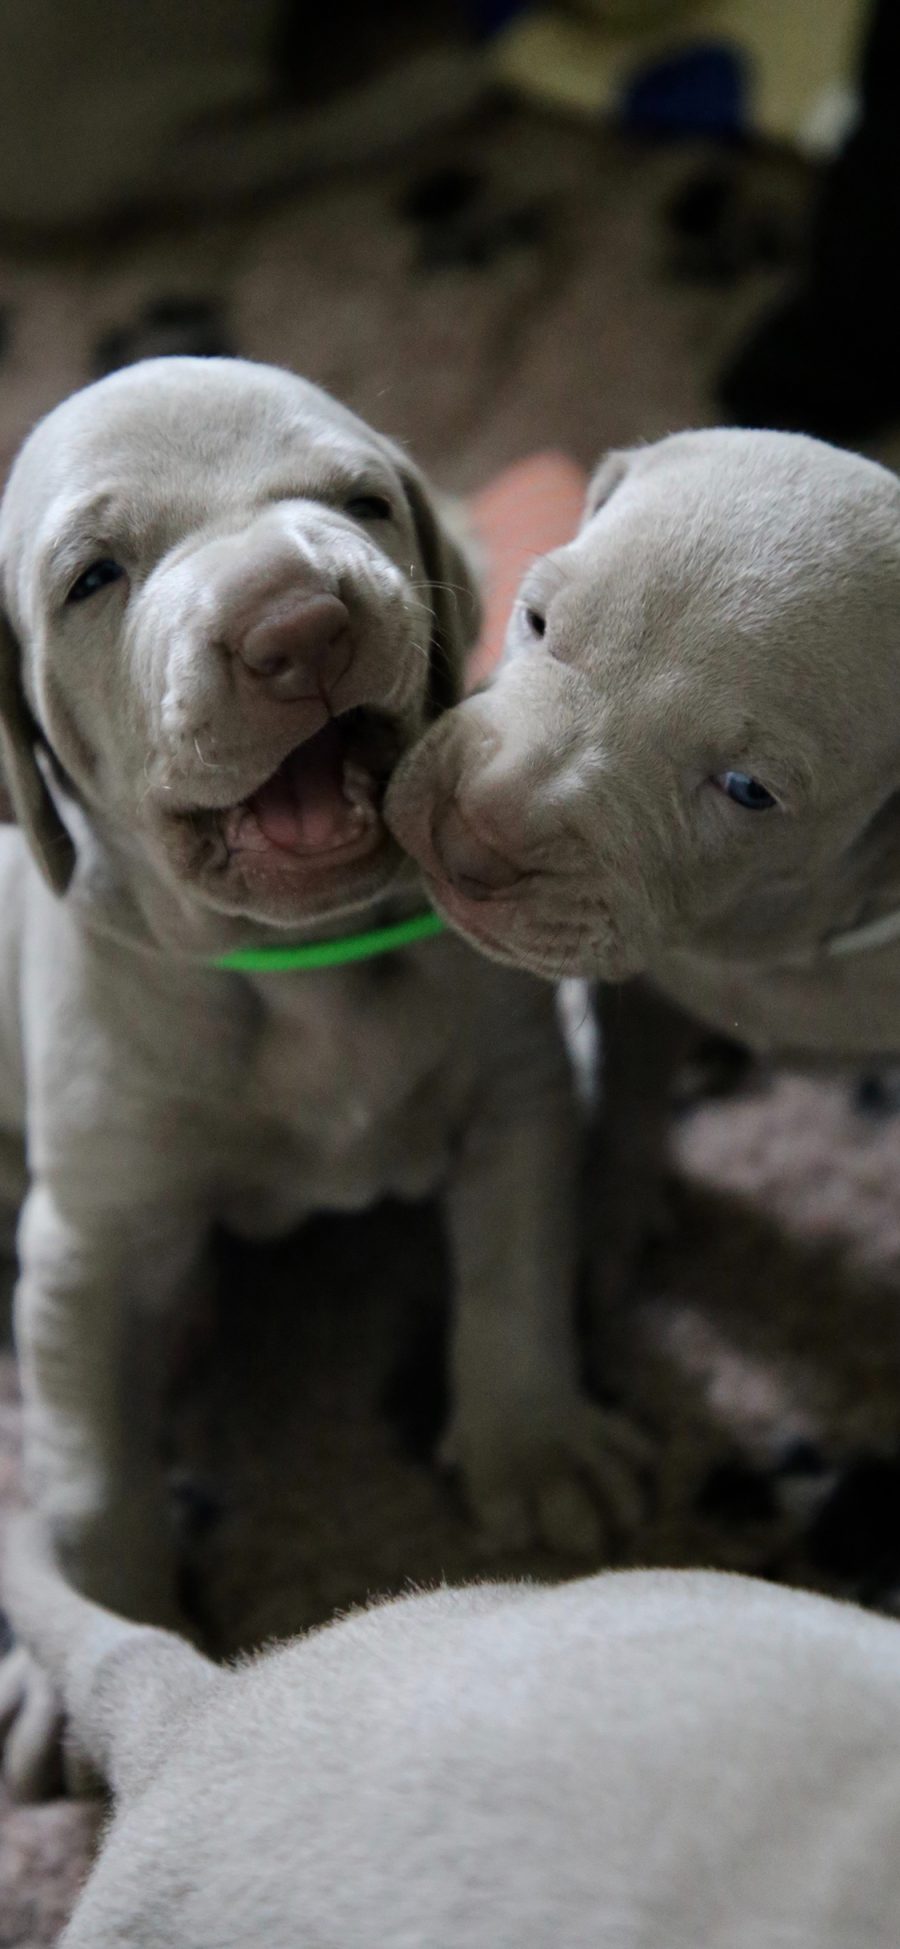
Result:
[94,578]
[745,791]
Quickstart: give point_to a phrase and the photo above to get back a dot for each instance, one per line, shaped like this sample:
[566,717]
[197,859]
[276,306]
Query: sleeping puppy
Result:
[689,770]
[663,1758]
[229,608]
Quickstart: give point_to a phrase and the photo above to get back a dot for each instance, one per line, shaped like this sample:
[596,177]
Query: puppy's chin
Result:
[274,893]
[532,928]
[309,843]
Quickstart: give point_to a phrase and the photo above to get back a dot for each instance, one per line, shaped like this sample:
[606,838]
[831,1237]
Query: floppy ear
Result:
[21,779]
[454,595]
[608,476]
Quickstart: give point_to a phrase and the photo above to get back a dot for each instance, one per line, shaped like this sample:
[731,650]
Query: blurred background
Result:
[486,225]
[494,228]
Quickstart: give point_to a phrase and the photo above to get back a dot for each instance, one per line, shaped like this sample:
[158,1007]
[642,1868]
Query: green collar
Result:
[330,954]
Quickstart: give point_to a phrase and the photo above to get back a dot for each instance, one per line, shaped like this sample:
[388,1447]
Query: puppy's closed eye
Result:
[95,578]
[369,507]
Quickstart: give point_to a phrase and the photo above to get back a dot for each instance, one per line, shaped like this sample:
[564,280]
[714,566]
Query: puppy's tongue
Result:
[302,808]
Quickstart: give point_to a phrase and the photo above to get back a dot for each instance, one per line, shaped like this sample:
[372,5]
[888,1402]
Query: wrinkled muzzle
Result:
[526,844]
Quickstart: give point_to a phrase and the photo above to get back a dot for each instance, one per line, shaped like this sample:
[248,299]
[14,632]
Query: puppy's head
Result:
[695,736]
[229,607]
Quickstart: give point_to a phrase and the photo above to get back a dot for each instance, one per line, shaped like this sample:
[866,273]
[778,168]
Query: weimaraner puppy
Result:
[688,770]
[228,608]
[658,1758]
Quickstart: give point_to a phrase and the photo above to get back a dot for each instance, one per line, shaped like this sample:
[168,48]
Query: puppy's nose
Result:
[300,650]
[469,862]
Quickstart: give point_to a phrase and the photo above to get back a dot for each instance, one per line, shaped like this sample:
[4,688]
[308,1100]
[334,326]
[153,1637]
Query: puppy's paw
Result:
[31,1730]
[568,1475]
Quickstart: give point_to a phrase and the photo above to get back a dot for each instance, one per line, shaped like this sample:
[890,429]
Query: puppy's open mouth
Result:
[323,804]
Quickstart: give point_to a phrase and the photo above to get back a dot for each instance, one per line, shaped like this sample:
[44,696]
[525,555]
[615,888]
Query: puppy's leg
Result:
[124,1686]
[91,1291]
[537,1458]
[645,1038]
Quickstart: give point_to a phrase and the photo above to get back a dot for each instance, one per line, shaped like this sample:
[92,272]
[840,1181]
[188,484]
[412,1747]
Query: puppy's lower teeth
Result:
[358,787]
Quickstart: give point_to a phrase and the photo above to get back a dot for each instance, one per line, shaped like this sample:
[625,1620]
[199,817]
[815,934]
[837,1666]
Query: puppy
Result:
[689,770]
[661,1758]
[229,608]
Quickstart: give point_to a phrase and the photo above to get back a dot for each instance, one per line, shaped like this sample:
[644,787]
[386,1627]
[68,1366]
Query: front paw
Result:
[31,1729]
[562,1473]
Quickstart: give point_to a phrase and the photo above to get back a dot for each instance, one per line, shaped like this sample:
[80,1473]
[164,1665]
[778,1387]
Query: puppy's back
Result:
[658,1759]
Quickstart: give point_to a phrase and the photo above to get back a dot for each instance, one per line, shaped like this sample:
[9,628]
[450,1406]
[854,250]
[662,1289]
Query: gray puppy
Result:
[657,1758]
[228,608]
[689,770]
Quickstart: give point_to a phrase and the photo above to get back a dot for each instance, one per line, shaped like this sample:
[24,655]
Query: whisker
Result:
[451,588]
[207,763]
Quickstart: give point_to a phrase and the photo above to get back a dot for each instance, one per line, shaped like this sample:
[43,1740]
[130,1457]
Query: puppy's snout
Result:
[300,648]
[470,862]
